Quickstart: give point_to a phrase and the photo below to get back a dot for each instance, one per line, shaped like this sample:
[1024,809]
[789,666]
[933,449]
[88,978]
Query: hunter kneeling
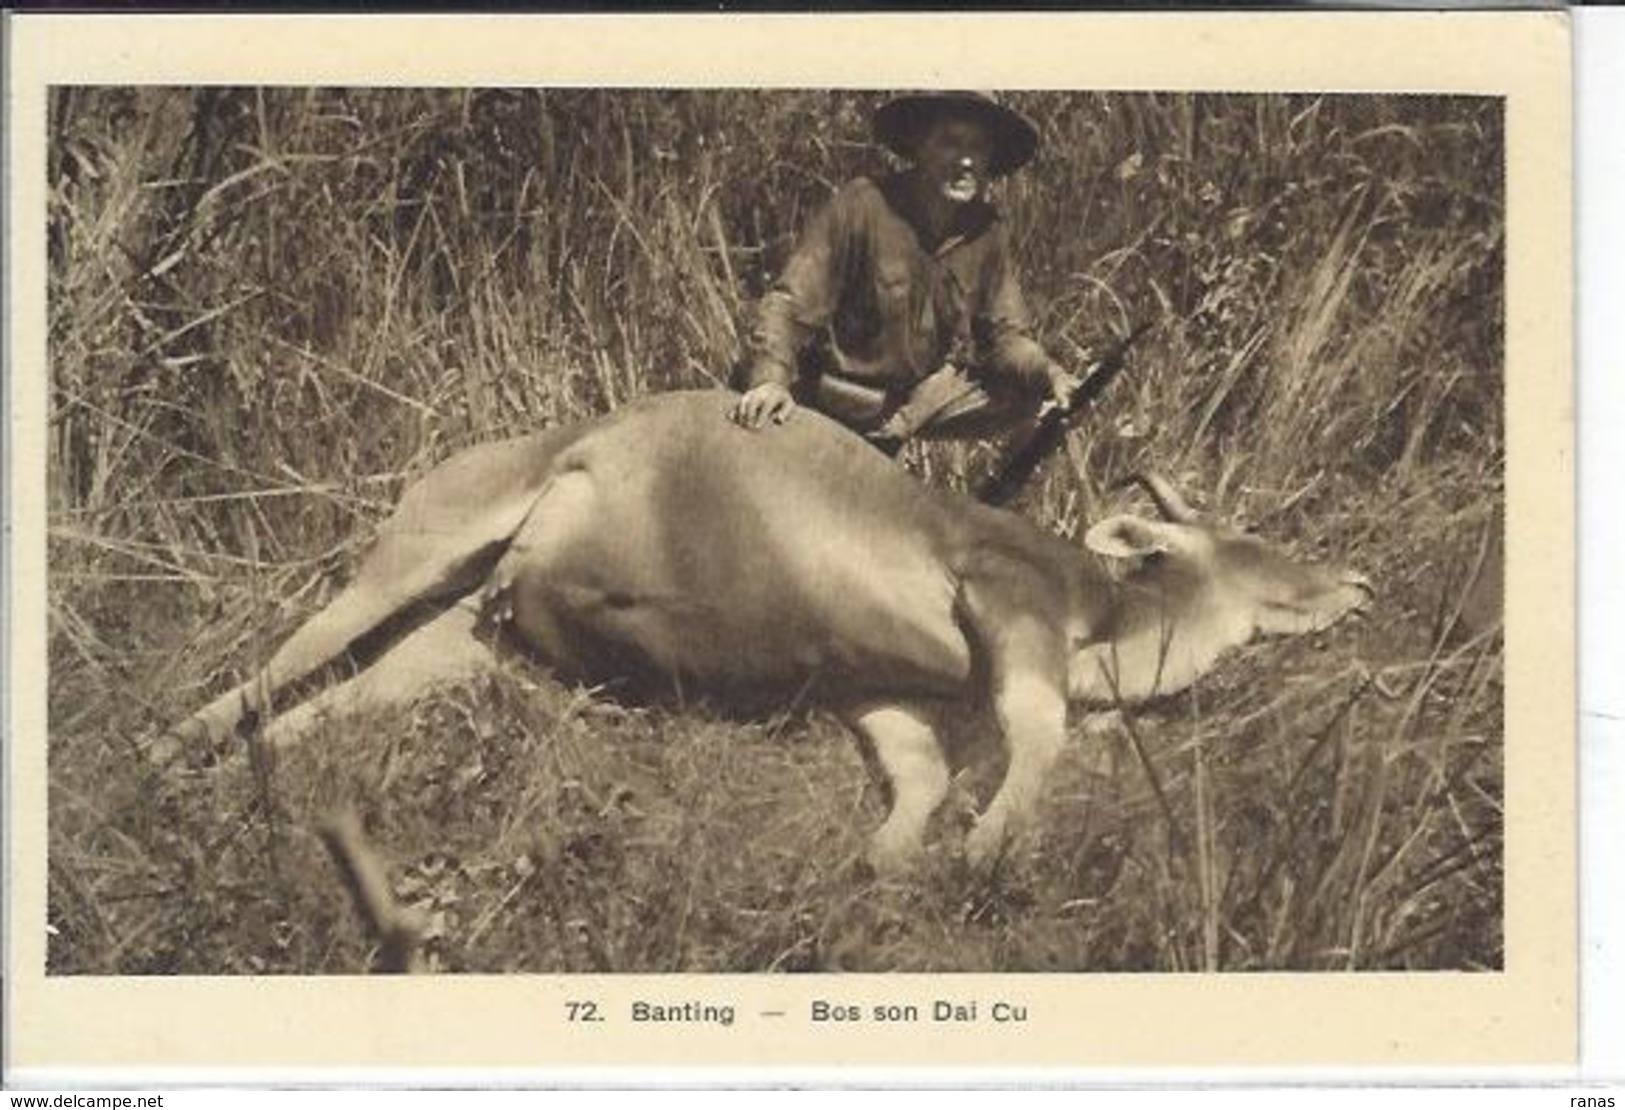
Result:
[899,313]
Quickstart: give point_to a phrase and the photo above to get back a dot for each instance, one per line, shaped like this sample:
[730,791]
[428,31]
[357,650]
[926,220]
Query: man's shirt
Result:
[869,302]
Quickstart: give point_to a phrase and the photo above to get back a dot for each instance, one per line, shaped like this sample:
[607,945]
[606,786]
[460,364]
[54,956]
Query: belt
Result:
[856,403]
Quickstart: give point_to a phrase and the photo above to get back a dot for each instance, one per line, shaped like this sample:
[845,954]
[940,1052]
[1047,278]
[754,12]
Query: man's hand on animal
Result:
[770,401]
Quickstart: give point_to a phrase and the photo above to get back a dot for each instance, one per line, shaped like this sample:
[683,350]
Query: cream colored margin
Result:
[1524,1015]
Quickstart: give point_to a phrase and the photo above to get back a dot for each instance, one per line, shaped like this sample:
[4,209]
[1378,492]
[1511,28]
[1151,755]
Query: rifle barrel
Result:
[1052,426]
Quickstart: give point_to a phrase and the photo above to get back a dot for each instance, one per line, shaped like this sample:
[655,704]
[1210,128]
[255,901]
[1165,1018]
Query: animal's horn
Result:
[1172,506]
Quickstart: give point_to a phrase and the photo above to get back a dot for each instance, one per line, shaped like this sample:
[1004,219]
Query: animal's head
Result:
[1200,587]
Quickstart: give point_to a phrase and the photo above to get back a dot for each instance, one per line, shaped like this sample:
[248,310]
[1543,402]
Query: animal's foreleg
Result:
[1009,610]
[905,746]
[1031,713]
[444,650]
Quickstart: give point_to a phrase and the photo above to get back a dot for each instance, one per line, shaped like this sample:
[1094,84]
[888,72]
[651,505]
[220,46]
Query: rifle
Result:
[1052,427]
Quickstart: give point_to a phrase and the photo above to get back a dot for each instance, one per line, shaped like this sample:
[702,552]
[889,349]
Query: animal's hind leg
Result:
[381,590]
[904,743]
[444,650]
[439,543]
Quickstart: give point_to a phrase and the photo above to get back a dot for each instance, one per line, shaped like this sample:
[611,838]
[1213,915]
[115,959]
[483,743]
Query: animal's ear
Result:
[1125,537]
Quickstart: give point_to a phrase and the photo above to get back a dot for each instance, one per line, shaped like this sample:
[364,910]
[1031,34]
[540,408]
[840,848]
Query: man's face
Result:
[953,155]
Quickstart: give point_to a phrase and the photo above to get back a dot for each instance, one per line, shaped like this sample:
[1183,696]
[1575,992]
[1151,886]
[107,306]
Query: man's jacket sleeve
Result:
[1002,330]
[801,301]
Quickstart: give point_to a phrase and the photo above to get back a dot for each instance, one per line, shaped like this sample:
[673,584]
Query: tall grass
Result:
[271,308]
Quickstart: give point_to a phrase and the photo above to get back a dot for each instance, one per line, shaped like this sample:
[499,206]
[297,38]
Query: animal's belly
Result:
[680,643]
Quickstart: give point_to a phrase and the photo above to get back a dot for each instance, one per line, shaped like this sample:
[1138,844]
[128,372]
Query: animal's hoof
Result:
[165,750]
[985,845]
[888,860]
[187,746]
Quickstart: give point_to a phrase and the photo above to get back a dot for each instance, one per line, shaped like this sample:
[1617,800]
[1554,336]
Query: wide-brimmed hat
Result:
[901,121]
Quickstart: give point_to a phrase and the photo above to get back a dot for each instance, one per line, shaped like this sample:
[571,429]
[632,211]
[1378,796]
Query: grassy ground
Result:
[269,310]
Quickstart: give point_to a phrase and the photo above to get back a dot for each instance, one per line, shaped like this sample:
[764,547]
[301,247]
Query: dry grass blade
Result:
[398,929]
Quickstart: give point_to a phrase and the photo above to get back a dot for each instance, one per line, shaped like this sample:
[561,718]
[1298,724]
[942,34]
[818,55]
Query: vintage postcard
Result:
[890,541]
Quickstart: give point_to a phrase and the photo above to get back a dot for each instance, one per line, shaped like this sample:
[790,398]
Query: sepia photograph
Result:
[774,531]
[670,542]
